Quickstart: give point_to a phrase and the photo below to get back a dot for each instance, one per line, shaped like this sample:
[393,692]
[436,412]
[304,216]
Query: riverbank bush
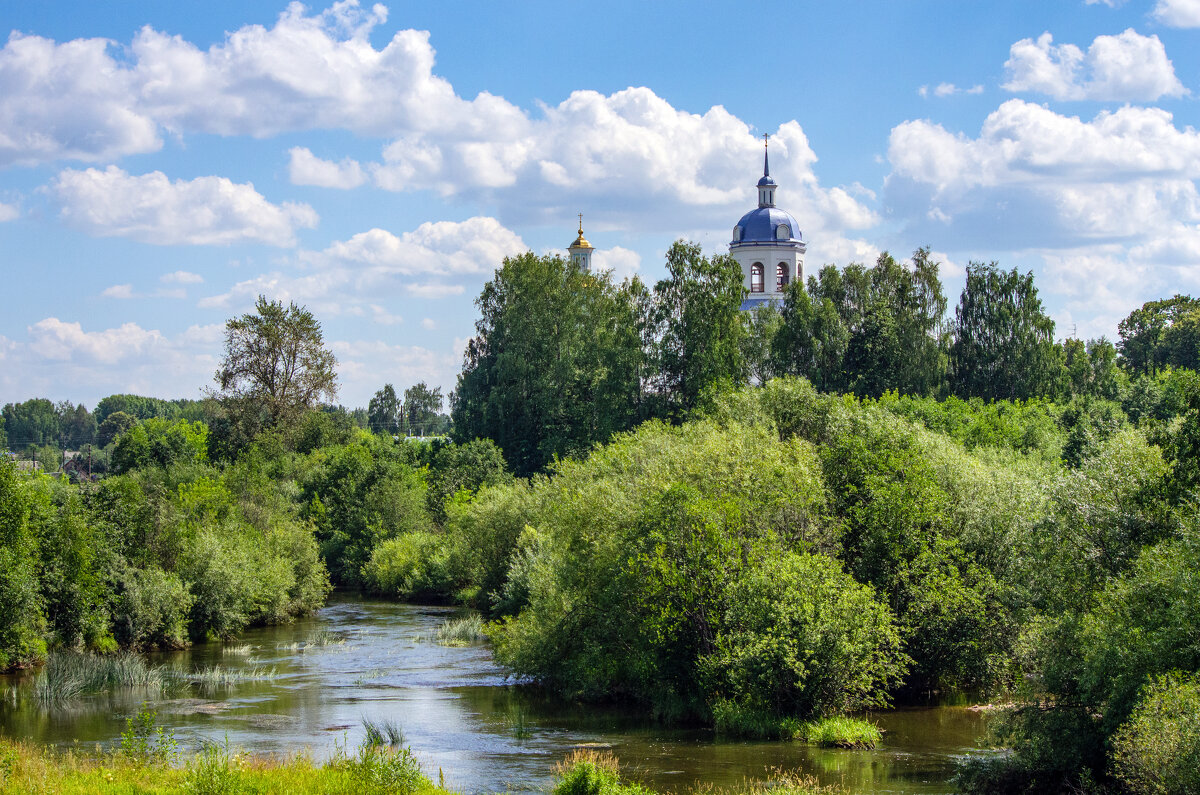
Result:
[659,570]
[1157,751]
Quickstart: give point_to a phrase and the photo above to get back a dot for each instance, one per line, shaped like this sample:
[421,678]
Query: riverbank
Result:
[30,769]
[364,660]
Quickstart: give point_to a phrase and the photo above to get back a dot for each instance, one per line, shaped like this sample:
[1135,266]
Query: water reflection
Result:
[361,659]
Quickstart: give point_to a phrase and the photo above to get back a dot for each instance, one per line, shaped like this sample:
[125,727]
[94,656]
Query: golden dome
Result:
[581,241]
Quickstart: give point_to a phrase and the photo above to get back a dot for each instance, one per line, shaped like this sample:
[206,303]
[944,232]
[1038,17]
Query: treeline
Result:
[174,547]
[220,514]
[563,359]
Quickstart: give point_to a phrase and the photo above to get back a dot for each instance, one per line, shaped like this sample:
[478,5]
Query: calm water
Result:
[461,715]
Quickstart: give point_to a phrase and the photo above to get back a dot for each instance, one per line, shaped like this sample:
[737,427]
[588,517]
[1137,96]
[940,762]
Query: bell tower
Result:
[581,250]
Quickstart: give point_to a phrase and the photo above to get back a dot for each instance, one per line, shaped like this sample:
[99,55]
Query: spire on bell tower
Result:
[766,185]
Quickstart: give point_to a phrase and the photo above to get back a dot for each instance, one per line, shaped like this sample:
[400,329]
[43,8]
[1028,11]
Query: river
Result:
[365,659]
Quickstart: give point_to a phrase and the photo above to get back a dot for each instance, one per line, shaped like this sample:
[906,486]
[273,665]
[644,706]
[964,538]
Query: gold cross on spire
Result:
[581,223]
[766,137]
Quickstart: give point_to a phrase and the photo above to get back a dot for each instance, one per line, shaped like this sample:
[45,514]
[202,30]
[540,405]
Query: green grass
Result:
[215,770]
[218,769]
[383,733]
[841,732]
[317,640]
[214,677]
[461,631]
[71,675]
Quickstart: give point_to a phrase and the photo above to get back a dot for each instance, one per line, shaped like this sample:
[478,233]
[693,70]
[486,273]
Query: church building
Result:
[768,245]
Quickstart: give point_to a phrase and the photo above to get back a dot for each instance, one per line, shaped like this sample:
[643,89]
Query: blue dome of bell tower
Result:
[768,244]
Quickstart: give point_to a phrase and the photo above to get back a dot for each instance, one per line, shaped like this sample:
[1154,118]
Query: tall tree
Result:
[1003,341]
[762,326]
[276,361]
[699,327]
[34,422]
[422,406]
[384,412]
[555,363]
[1141,334]
[811,341]
[77,426]
[868,330]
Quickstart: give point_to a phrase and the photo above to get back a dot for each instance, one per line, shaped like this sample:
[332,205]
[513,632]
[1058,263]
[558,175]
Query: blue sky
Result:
[162,164]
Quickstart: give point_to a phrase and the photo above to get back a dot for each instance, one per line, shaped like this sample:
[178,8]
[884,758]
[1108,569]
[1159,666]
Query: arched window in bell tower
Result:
[756,277]
[782,276]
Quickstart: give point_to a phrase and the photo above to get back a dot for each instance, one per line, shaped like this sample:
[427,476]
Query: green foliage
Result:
[840,732]
[697,593]
[22,621]
[422,406]
[698,328]
[1147,343]
[276,364]
[555,365]
[385,413]
[586,772]
[158,442]
[867,330]
[463,467]
[152,609]
[1003,341]
[113,426]
[145,742]
[34,422]
[1158,751]
[360,495]
[414,565]
[69,675]
[799,637]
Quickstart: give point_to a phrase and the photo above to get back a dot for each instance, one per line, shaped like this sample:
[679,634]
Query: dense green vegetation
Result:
[758,522]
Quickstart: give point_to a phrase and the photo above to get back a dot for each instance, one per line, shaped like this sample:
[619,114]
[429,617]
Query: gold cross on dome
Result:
[766,137]
[581,223]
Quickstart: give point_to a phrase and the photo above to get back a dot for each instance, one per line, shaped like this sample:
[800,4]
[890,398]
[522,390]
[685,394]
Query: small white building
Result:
[768,245]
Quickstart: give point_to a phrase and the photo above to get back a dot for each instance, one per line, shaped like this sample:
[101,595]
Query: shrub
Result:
[21,619]
[410,566]
[799,637]
[587,772]
[152,610]
[1157,752]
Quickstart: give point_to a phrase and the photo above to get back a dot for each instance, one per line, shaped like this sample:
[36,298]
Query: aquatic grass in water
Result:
[839,732]
[243,650]
[317,640]
[384,732]
[71,675]
[461,631]
[215,677]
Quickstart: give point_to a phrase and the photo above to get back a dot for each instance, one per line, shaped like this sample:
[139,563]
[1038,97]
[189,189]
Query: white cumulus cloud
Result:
[305,168]
[1109,206]
[1178,13]
[95,99]
[70,100]
[434,260]
[1127,67]
[448,248]
[152,209]
[9,212]
[181,277]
